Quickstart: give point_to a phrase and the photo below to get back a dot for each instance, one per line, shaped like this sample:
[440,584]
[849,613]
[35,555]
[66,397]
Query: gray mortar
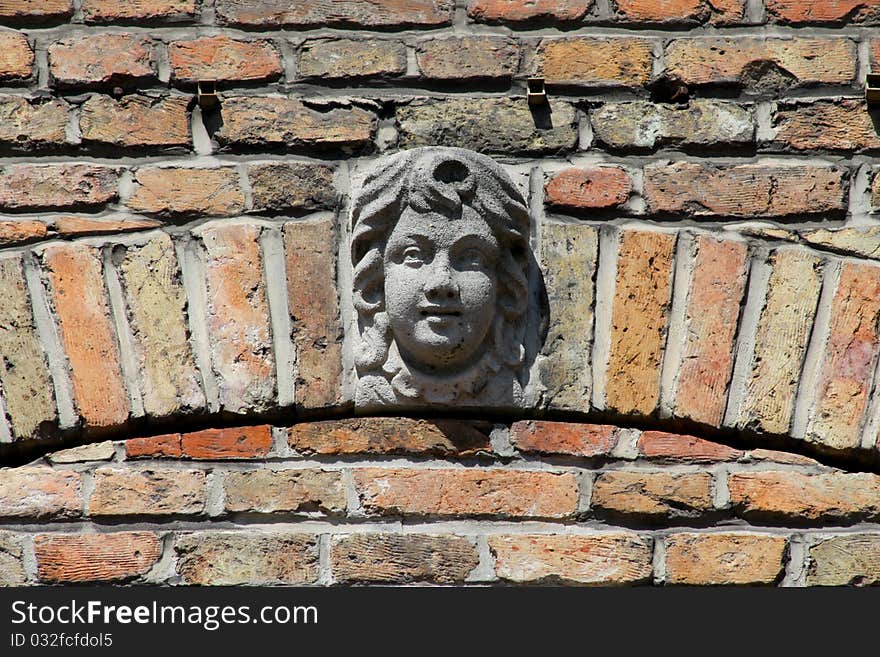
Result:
[5,432]
[606,281]
[325,570]
[796,563]
[485,569]
[215,502]
[272,243]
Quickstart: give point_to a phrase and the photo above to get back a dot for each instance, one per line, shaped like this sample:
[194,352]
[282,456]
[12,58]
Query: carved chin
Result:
[439,344]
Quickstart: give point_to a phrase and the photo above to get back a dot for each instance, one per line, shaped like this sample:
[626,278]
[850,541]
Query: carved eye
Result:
[472,259]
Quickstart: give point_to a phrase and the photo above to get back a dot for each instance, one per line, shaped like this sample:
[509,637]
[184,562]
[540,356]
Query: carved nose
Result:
[440,284]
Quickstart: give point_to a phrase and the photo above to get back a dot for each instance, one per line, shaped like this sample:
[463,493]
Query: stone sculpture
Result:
[440,254]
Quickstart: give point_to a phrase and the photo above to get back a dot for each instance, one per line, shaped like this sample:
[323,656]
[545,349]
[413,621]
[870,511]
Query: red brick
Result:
[39,492]
[724,558]
[76,276]
[588,189]
[446,438]
[653,494]
[102,59]
[135,121]
[683,449]
[800,497]
[467,58]
[34,11]
[233,443]
[402,558]
[717,289]
[350,13]
[638,321]
[310,252]
[608,558]
[154,446]
[187,191]
[73,225]
[293,122]
[780,457]
[56,186]
[744,190]
[520,11]
[28,124]
[277,187]
[238,317]
[714,12]
[753,61]
[155,492]
[222,58]
[285,491]
[445,492]
[591,61]
[328,59]
[847,360]
[111,11]
[822,11]
[842,125]
[544,437]
[16,56]
[68,558]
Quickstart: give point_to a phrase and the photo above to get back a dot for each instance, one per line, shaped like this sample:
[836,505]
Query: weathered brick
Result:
[638,321]
[518,11]
[862,241]
[467,58]
[608,558]
[642,125]
[102,59]
[284,186]
[543,437]
[569,254]
[850,559]
[57,186]
[379,435]
[724,558]
[781,341]
[576,189]
[762,64]
[238,317]
[822,11]
[223,58]
[39,492]
[112,11]
[156,302]
[34,11]
[247,558]
[594,62]
[875,192]
[310,253]
[847,361]
[24,371]
[154,446]
[285,491]
[74,225]
[76,276]
[653,494]
[329,59]
[683,449]
[12,571]
[231,443]
[503,493]
[716,292]
[154,492]
[841,125]
[725,12]
[339,13]
[135,121]
[799,497]
[402,558]
[490,125]
[16,56]
[27,124]
[69,558]
[293,122]
[745,190]
[781,457]
[187,191]
[103,451]
[17,231]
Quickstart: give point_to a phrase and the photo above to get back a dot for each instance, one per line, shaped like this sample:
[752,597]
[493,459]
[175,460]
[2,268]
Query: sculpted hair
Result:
[442,180]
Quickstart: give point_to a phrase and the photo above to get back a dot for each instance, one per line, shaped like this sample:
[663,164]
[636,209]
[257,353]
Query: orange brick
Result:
[18,231]
[16,55]
[682,448]
[467,58]
[298,490]
[590,61]
[588,189]
[823,11]
[38,186]
[234,443]
[187,191]
[714,12]
[40,492]
[724,558]
[34,11]
[222,58]
[155,492]
[30,124]
[846,125]
[102,59]
[73,225]
[544,437]
[68,558]
[110,11]
[653,494]
[519,11]
[135,121]
[154,446]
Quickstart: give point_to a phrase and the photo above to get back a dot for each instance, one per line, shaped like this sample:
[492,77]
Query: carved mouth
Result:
[440,312]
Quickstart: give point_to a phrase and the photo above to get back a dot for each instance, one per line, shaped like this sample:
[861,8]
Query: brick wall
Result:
[176,299]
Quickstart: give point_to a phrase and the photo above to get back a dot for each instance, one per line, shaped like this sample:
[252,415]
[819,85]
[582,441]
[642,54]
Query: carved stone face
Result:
[440,288]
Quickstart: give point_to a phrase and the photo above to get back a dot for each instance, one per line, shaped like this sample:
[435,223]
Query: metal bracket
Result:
[207,94]
[872,89]
[537,93]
